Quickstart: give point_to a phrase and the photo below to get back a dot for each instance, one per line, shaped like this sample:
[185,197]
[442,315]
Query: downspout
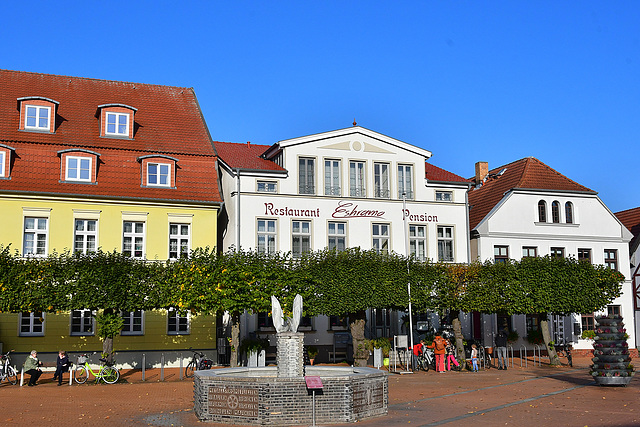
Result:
[238,209]
[466,205]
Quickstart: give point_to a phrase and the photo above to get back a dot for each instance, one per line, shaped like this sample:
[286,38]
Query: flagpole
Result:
[406,247]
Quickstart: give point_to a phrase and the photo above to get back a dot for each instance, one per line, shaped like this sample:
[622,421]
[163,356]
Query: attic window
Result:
[5,161]
[116,120]
[78,165]
[37,113]
[158,171]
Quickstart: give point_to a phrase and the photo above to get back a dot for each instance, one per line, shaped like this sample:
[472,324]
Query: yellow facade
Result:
[61,213]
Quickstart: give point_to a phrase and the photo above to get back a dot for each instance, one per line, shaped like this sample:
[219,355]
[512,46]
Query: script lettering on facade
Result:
[350,210]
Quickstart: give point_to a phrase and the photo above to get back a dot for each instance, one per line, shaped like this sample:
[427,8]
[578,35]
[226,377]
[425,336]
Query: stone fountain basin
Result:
[258,396]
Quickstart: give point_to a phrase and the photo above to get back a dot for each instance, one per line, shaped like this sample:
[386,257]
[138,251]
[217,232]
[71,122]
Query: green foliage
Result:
[312,351]
[535,337]
[109,324]
[250,345]
[513,336]
[588,334]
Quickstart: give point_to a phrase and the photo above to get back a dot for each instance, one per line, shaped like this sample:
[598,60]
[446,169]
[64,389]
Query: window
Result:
[82,322]
[555,212]
[306,174]
[36,231]
[179,238]
[381,180]
[133,322]
[332,178]
[78,169]
[614,310]
[267,187]
[405,174]
[177,322]
[133,239]
[533,323]
[267,235]
[117,124]
[542,211]
[444,196]
[418,241]
[86,235]
[338,323]
[611,258]
[557,252]
[265,321]
[501,254]
[300,238]
[529,251]
[445,244]
[337,235]
[158,174]
[357,179]
[568,212]
[588,322]
[37,117]
[2,162]
[31,324]
[584,255]
[381,238]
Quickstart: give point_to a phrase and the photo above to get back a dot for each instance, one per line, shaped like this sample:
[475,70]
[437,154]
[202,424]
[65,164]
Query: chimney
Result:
[482,170]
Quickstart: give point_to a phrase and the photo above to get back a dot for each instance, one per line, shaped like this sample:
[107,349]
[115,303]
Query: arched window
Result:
[555,211]
[542,211]
[568,212]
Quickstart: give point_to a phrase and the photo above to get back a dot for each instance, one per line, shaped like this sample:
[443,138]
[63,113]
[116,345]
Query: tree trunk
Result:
[360,352]
[554,360]
[235,339]
[107,349]
[457,331]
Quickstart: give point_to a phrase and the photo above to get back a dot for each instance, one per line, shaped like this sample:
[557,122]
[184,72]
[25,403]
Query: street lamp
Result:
[406,247]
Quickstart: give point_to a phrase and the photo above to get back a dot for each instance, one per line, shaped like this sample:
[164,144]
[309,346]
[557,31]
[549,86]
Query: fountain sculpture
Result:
[279,395]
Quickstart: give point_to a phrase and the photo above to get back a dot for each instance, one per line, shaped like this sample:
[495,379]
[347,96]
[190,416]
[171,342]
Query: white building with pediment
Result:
[345,188]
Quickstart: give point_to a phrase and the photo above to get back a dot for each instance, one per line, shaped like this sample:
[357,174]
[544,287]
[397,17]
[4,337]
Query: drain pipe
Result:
[238,209]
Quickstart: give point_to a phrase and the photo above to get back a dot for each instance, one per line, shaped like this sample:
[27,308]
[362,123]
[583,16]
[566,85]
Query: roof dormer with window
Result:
[37,114]
[78,166]
[158,171]
[6,153]
[116,120]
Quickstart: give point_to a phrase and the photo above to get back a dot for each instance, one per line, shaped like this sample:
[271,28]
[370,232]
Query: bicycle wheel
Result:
[12,376]
[81,375]
[190,369]
[110,375]
[424,364]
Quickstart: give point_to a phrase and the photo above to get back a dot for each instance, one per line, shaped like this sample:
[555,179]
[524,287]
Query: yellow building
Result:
[88,164]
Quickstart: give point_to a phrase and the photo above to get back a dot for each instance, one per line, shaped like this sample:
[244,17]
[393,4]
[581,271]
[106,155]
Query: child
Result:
[451,357]
[62,365]
[474,357]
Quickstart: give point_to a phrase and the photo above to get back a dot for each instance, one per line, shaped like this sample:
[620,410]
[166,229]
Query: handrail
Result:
[522,347]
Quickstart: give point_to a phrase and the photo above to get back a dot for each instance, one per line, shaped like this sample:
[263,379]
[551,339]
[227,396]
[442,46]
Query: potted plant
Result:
[588,335]
[312,351]
[512,337]
[611,361]
[253,346]
[385,345]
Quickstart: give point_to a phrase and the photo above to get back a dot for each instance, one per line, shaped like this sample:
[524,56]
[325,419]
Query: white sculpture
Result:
[278,317]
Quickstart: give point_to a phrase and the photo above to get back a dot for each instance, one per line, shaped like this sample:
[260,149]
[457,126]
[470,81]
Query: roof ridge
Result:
[93,79]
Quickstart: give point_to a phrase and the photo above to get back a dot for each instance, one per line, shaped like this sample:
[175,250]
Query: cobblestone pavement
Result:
[527,396]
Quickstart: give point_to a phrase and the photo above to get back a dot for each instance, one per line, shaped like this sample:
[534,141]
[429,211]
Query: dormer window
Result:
[117,124]
[158,171]
[5,161]
[78,165]
[37,113]
[116,120]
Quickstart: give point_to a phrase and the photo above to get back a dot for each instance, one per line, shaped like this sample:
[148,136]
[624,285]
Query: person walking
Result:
[62,365]
[474,357]
[501,348]
[451,356]
[32,367]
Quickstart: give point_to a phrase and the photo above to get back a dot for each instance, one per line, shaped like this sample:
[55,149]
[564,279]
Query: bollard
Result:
[510,356]
[180,356]
[70,373]
[522,347]
[143,363]
[161,366]
[22,377]
[536,348]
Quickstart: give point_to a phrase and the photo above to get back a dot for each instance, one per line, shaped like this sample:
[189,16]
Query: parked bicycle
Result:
[198,363]
[107,372]
[7,372]
[427,360]
[564,350]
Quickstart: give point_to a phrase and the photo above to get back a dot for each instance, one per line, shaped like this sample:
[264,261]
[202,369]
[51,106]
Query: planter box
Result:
[623,381]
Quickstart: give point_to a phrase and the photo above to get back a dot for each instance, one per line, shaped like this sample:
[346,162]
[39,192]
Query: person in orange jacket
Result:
[439,346]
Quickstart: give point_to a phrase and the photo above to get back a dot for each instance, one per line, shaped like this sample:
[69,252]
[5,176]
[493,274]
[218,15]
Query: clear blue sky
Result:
[468,80]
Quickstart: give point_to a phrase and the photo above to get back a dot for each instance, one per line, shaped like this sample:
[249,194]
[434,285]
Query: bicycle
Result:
[107,372]
[426,360]
[564,350]
[7,372]
[198,362]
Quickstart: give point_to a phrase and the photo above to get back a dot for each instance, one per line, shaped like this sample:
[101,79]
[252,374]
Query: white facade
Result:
[344,189]
[593,230]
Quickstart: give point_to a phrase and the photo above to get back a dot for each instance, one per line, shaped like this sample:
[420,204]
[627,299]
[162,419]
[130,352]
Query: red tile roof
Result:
[631,219]
[245,156]
[527,173]
[168,121]
[434,173]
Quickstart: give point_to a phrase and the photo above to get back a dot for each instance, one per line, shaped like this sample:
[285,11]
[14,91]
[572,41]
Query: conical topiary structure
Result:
[611,362]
